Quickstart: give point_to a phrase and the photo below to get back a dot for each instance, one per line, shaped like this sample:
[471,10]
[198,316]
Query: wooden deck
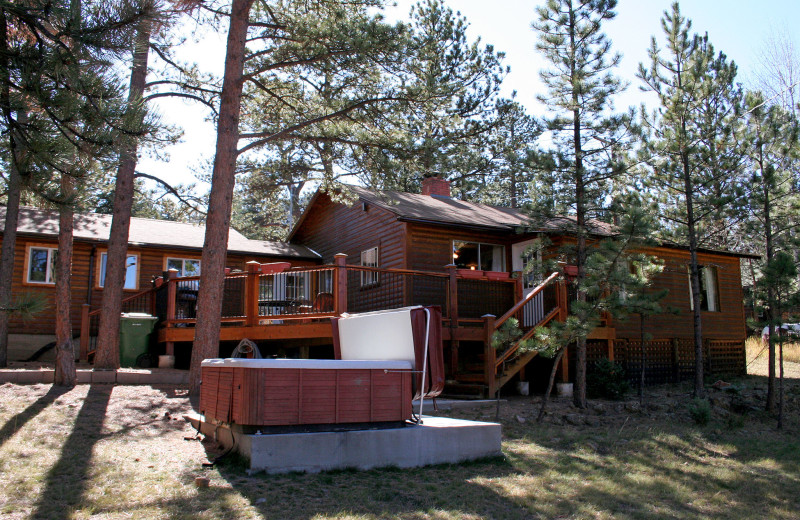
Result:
[268,302]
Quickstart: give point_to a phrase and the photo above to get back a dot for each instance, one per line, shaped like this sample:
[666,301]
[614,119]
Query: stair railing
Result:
[558,312]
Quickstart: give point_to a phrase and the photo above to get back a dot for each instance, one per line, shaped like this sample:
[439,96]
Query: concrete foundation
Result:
[27,373]
[438,440]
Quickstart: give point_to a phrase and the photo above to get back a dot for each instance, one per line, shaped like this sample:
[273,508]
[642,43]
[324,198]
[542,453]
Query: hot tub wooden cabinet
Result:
[369,382]
[288,392]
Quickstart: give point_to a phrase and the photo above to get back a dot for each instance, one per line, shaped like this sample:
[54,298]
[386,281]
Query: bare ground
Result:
[122,452]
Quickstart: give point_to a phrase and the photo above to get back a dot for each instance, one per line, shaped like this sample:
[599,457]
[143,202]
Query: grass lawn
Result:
[120,452]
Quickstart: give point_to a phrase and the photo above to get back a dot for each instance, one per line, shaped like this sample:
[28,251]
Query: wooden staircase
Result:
[486,373]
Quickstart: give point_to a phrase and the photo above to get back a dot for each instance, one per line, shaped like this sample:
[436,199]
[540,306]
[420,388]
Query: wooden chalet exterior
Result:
[154,246]
[389,250]
[426,232]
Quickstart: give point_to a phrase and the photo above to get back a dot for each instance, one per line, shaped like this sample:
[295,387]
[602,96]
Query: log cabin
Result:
[484,250]
[154,246]
[393,249]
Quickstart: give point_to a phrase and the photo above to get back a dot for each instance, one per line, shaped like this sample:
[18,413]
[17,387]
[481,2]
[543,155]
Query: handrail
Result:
[510,351]
[125,300]
[520,304]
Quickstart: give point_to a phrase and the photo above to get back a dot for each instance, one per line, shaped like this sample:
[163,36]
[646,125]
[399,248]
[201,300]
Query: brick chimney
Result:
[435,186]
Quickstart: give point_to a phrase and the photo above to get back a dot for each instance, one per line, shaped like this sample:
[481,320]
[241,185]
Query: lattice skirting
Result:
[672,360]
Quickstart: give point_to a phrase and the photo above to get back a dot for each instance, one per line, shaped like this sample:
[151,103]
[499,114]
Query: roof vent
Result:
[435,186]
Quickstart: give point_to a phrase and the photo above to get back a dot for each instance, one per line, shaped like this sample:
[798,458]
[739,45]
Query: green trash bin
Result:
[134,337]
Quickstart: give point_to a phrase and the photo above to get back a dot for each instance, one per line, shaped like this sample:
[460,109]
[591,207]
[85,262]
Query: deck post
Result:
[153,295]
[172,294]
[253,270]
[83,353]
[340,297]
[452,311]
[489,354]
[517,285]
[565,366]
[561,300]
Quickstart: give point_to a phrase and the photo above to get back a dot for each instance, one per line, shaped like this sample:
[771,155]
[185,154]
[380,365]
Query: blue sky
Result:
[739,28]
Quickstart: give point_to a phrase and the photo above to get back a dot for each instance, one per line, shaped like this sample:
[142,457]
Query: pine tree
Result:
[588,143]
[512,153]
[780,277]
[695,122]
[59,103]
[453,84]
[772,203]
[284,37]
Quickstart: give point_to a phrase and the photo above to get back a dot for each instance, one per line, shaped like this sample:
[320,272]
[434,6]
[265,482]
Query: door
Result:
[529,261]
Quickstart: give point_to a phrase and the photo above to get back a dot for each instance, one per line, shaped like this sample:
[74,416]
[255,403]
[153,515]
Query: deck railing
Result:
[255,297]
[267,294]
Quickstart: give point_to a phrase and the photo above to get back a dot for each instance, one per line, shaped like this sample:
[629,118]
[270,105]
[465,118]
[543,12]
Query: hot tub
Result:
[286,392]
[369,382]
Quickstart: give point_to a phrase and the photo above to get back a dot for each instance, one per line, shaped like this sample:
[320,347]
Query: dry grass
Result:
[118,452]
[756,348]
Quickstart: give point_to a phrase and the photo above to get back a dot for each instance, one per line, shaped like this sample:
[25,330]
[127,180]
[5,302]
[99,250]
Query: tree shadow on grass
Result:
[67,479]
[667,470]
[19,420]
[440,491]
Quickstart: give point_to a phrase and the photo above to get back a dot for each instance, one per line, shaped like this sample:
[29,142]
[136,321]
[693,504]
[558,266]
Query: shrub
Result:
[606,379]
[700,411]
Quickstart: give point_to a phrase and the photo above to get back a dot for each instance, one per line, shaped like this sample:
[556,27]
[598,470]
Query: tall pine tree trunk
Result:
[116,259]
[7,254]
[12,203]
[579,396]
[223,180]
[694,276]
[65,374]
[771,394]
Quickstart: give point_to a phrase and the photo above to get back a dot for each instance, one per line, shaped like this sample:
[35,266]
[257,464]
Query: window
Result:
[475,255]
[532,268]
[42,265]
[709,289]
[296,286]
[184,266]
[131,271]
[369,258]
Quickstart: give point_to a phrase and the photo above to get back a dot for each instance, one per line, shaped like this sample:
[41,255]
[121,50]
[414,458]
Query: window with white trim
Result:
[709,289]
[42,265]
[184,266]
[369,258]
[131,271]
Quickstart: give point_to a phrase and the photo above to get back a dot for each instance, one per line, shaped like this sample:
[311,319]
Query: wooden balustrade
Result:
[173,298]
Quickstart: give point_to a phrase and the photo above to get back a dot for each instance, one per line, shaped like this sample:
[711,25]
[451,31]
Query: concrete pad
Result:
[21,377]
[438,440]
[170,376]
[455,404]
[48,376]
[104,376]
[125,377]
[84,376]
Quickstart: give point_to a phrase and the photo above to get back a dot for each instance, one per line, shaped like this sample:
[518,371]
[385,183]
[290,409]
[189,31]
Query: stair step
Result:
[473,367]
[467,377]
[463,391]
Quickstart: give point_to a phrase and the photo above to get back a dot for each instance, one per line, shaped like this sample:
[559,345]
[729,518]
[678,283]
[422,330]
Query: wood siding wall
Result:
[330,228]
[151,264]
[727,323]
[430,247]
